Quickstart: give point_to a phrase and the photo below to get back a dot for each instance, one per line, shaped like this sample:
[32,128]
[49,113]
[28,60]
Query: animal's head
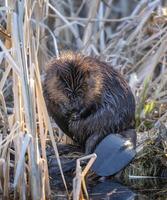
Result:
[73,80]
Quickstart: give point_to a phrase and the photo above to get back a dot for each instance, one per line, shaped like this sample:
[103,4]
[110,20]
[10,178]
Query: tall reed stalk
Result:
[30,123]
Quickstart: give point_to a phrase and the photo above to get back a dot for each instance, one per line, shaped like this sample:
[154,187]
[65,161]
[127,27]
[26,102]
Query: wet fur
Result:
[88,99]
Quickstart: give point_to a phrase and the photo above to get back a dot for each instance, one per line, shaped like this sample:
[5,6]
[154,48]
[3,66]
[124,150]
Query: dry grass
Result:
[135,44]
[29,124]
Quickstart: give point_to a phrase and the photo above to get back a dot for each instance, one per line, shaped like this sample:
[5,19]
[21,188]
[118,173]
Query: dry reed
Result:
[135,44]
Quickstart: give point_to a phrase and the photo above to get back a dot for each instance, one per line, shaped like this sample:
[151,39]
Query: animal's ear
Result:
[55,68]
[90,80]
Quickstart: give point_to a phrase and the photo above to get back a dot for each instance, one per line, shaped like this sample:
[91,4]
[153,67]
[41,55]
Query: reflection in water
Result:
[109,189]
[152,188]
[136,189]
[112,190]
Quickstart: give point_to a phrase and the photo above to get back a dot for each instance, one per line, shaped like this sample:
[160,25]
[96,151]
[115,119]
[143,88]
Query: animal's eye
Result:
[80,93]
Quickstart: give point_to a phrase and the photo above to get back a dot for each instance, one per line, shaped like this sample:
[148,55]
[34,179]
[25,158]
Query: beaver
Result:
[88,99]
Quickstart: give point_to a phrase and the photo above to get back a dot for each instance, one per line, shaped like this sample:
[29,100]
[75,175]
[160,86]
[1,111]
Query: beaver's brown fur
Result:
[88,99]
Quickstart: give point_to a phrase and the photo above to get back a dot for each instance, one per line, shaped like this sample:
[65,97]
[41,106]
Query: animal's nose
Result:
[75,117]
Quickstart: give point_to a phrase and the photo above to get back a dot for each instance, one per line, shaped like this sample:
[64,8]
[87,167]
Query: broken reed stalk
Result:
[79,185]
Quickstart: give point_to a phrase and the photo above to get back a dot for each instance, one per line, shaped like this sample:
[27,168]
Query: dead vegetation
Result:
[133,39]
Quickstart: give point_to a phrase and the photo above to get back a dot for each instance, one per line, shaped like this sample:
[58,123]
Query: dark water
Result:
[133,189]
[141,189]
